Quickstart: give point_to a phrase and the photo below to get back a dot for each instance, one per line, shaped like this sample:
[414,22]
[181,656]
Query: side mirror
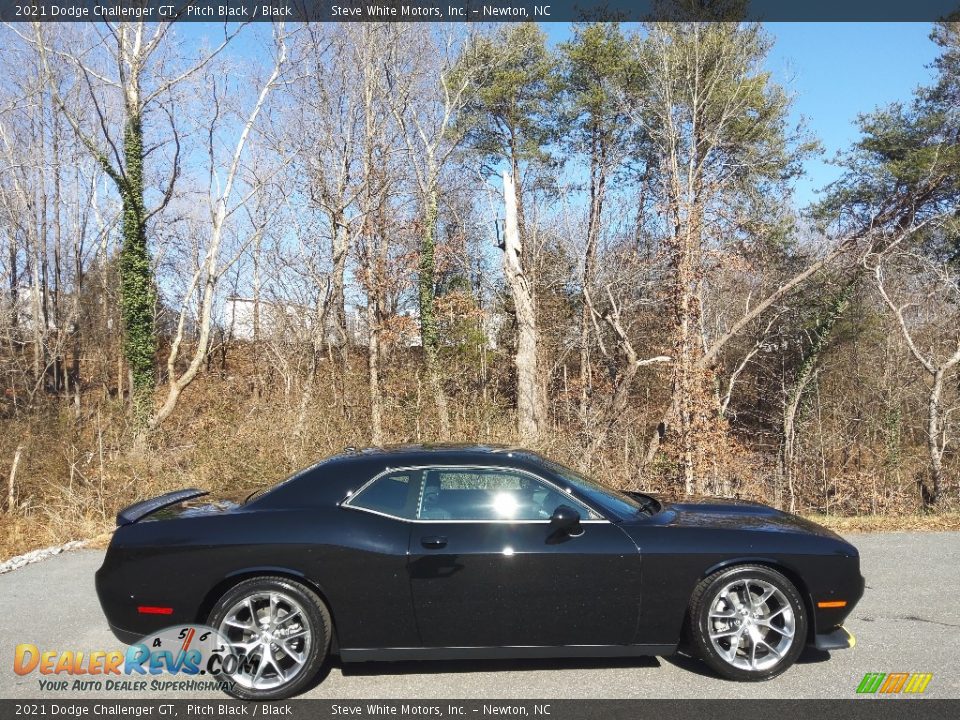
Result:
[566,519]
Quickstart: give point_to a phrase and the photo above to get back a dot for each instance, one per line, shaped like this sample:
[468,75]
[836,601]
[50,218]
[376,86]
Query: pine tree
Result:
[716,131]
[510,120]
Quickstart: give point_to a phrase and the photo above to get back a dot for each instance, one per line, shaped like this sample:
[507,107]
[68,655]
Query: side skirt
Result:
[502,653]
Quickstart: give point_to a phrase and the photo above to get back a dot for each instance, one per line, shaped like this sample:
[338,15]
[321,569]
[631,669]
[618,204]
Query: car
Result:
[459,552]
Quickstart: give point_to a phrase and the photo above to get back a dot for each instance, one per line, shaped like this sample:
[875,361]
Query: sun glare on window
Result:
[505,505]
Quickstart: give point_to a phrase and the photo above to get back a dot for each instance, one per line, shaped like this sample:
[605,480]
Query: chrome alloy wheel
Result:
[751,624]
[272,632]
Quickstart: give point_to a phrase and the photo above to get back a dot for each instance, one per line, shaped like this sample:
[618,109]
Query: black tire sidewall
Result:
[318,618]
[699,621]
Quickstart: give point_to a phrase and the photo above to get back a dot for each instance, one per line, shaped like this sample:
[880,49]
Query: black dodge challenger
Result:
[457,552]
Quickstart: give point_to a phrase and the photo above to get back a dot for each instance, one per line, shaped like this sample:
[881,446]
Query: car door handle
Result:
[434,541]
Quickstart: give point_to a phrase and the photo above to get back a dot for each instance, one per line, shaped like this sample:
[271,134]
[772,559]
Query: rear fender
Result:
[238,576]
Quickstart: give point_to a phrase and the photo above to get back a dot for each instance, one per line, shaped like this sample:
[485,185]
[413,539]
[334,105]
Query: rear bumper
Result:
[123,584]
[105,595]
[837,639]
[127,637]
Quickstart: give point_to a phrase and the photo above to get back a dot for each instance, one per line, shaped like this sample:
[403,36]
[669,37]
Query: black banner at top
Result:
[476,10]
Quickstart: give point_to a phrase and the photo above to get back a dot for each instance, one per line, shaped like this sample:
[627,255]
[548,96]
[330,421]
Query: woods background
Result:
[229,251]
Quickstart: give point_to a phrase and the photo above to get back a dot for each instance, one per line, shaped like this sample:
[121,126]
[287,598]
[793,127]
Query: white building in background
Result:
[290,321]
[27,312]
[283,320]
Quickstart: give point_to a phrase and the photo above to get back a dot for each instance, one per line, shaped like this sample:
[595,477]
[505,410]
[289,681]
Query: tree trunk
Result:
[687,390]
[39,359]
[339,247]
[531,384]
[14,286]
[137,295]
[336,330]
[373,361]
[598,183]
[257,336]
[806,372]
[13,479]
[788,450]
[687,424]
[934,431]
[428,321]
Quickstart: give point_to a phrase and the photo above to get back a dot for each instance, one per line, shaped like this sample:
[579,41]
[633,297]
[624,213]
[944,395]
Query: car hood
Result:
[736,514]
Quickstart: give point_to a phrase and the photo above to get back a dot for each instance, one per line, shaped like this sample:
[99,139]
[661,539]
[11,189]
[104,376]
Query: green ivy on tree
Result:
[137,294]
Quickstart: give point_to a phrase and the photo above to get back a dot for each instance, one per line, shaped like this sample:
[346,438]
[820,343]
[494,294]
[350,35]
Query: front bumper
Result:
[837,639]
[828,632]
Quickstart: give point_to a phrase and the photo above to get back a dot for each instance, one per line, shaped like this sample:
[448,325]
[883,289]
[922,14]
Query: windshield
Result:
[617,502]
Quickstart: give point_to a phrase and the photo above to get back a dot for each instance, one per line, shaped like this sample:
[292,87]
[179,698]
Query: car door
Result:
[371,559]
[487,568]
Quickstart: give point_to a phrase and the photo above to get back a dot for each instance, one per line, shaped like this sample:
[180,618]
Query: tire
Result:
[292,632]
[747,637]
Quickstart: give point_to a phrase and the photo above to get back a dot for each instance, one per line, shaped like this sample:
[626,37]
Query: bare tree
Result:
[795,392]
[211,269]
[46,188]
[129,82]
[333,102]
[929,321]
[374,211]
[428,82]
[627,367]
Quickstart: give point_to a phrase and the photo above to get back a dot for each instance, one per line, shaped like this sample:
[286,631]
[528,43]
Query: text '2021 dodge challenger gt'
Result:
[475,552]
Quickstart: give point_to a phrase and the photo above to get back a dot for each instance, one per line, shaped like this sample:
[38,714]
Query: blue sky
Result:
[835,71]
[838,70]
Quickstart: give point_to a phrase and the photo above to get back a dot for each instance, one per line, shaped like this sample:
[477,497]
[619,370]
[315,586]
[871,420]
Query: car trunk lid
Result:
[173,504]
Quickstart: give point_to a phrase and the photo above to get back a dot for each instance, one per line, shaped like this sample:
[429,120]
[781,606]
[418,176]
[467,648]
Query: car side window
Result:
[394,494]
[490,494]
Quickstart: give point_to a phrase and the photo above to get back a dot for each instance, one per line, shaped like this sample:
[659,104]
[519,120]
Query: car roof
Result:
[330,478]
[411,450]
[443,453]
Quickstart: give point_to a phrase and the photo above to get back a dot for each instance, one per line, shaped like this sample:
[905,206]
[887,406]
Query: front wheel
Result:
[280,628]
[748,622]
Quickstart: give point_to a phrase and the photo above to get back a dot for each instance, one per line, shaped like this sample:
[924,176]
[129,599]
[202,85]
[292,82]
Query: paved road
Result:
[909,620]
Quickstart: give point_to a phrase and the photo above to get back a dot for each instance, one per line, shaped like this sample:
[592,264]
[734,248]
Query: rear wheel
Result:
[748,622]
[281,628]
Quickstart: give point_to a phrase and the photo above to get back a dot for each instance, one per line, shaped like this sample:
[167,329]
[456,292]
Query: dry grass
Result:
[20,535]
[76,472]
[889,523]
[100,542]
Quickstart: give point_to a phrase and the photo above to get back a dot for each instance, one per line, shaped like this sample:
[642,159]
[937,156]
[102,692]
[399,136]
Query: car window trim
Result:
[346,502]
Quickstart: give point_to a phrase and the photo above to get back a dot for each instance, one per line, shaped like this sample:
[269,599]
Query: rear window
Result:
[394,495]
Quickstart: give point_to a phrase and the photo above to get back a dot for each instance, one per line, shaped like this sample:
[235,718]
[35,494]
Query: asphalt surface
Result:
[908,621]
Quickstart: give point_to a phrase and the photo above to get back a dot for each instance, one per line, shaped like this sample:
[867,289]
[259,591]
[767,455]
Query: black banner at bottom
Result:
[854,709]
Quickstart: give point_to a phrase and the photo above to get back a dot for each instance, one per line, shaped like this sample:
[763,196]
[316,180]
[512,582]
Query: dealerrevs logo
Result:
[200,657]
[894,683]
